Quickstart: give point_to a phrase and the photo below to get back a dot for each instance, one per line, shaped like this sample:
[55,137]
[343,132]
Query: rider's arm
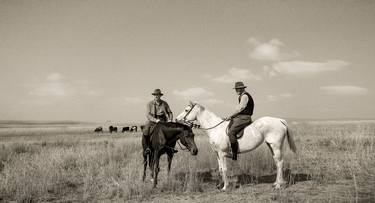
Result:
[149,116]
[169,112]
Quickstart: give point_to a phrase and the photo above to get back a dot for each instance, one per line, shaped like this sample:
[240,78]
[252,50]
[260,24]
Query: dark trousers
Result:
[236,125]
[149,126]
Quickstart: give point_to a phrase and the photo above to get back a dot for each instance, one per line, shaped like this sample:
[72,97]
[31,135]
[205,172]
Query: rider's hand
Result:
[157,120]
[228,118]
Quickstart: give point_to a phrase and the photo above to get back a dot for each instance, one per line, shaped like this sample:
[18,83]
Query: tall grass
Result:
[83,166]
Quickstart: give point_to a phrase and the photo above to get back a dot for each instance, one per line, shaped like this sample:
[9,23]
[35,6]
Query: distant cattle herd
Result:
[114,129]
[134,128]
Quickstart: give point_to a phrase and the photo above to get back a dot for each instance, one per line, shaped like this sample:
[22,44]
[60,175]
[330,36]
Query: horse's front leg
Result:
[151,165]
[156,168]
[221,183]
[224,169]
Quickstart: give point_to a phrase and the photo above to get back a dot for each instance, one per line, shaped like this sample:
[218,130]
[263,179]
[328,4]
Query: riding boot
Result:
[234,146]
[147,142]
[175,150]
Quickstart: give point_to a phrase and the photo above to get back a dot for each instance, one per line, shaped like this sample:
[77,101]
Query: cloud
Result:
[53,86]
[274,98]
[211,101]
[344,90]
[54,77]
[270,51]
[134,100]
[195,92]
[56,85]
[306,68]
[237,74]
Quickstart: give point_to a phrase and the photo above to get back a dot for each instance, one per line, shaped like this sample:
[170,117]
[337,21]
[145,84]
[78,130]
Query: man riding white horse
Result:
[241,117]
[157,111]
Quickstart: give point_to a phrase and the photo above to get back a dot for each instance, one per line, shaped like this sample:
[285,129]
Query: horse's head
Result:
[187,139]
[190,113]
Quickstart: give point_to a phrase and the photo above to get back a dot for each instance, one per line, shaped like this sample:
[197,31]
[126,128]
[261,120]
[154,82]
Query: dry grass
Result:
[335,162]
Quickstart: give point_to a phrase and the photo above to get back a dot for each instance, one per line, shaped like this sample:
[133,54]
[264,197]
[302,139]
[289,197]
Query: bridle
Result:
[185,120]
[190,122]
[178,142]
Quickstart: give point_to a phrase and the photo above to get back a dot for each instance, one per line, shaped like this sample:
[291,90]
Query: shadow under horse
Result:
[163,140]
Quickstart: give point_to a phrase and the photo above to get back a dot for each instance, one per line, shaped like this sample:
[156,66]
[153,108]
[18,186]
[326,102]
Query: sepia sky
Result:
[94,60]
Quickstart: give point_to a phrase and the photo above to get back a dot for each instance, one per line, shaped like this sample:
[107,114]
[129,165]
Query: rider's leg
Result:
[146,136]
[237,124]
[233,141]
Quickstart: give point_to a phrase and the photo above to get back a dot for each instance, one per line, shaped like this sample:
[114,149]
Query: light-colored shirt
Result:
[242,104]
[155,109]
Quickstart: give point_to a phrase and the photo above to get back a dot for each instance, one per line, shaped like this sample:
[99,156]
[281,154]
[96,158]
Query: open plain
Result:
[71,163]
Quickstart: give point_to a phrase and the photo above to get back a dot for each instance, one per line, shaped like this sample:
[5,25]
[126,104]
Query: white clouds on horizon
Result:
[344,90]
[237,74]
[269,51]
[304,68]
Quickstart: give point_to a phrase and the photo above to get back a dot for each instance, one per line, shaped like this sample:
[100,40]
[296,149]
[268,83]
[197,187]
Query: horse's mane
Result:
[175,125]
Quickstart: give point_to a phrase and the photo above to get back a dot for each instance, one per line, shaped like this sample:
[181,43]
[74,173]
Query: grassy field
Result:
[335,163]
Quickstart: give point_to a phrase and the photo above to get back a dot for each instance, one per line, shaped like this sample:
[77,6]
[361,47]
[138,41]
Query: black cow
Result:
[112,129]
[125,129]
[98,129]
[134,128]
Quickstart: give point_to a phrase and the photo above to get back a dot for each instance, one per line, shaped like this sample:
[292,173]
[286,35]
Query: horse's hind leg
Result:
[278,158]
[170,157]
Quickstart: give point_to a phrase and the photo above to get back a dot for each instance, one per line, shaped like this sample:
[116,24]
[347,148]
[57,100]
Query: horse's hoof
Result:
[220,185]
[279,186]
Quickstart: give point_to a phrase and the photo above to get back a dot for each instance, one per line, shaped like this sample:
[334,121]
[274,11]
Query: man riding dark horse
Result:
[163,140]
[241,117]
[157,111]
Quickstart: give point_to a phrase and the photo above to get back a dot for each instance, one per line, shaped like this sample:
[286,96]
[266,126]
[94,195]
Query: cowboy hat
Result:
[239,85]
[157,92]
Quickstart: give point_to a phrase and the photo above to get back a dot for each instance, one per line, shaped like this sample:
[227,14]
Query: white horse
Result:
[266,129]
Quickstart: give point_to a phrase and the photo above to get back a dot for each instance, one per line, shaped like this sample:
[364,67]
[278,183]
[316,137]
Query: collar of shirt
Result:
[158,103]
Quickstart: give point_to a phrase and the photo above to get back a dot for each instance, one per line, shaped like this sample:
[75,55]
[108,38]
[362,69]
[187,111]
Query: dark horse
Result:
[163,140]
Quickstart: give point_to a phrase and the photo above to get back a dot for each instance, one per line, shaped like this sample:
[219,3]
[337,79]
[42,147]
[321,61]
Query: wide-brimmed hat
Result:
[157,92]
[239,85]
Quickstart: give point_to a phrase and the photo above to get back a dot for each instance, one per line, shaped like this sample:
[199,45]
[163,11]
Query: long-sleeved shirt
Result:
[156,109]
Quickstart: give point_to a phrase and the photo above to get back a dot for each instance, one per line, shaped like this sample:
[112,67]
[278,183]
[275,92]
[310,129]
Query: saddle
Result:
[241,132]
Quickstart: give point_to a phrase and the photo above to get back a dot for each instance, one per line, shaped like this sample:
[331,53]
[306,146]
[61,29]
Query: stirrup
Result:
[147,150]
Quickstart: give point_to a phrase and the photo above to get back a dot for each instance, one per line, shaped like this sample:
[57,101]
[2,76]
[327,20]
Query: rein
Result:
[191,123]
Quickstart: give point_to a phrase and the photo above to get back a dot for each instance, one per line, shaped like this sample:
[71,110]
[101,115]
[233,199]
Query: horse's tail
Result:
[289,135]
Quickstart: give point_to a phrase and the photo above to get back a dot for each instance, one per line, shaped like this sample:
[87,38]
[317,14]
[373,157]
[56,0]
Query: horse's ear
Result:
[191,103]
